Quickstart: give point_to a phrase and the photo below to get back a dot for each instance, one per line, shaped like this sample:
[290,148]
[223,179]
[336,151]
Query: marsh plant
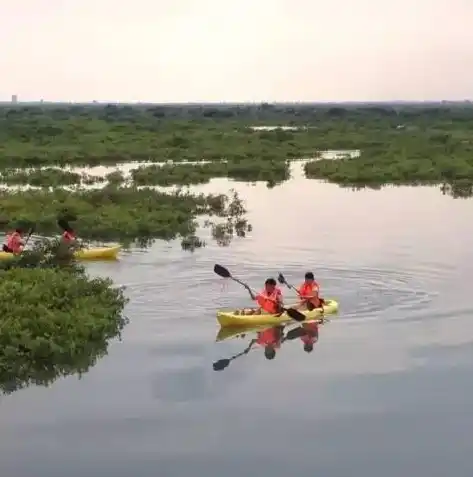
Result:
[55,320]
[233,223]
[116,213]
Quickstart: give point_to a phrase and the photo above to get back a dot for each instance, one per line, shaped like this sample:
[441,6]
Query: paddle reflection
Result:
[269,339]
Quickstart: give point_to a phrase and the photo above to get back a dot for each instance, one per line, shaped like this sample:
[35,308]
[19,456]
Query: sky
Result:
[236,51]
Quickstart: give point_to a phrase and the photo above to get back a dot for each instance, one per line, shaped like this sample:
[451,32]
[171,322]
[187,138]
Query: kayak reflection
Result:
[269,339]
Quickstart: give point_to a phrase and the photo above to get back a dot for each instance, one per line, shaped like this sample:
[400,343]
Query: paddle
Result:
[64,225]
[32,229]
[224,273]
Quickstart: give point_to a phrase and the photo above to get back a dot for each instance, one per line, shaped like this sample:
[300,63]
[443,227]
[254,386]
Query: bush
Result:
[54,319]
[113,213]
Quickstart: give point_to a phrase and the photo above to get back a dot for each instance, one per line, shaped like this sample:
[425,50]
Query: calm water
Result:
[386,392]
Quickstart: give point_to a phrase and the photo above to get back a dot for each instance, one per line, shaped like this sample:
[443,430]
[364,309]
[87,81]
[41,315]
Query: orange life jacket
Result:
[310,289]
[268,302]
[68,236]
[14,242]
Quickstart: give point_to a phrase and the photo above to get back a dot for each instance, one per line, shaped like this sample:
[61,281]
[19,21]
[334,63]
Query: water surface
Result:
[386,392]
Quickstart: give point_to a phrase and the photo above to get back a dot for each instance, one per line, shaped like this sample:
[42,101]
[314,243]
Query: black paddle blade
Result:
[295,314]
[221,364]
[63,224]
[222,271]
[281,279]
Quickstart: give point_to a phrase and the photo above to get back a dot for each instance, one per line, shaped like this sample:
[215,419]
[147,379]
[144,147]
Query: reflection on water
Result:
[386,392]
[269,340]
[18,374]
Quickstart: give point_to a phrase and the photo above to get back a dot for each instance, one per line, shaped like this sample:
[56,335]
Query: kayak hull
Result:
[229,318]
[95,253]
[98,253]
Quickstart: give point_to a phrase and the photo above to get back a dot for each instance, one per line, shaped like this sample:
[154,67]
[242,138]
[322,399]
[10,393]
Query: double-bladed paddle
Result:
[225,273]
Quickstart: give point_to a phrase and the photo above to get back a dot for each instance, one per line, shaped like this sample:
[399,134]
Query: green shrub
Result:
[54,319]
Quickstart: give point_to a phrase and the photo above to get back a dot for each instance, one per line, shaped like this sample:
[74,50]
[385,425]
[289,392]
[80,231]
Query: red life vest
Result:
[14,242]
[268,301]
[310,289]
[68,236]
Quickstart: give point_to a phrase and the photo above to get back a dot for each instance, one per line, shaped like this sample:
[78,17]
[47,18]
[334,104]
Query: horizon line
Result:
[230,103]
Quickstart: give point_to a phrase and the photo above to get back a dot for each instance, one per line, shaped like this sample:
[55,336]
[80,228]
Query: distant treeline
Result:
[295,113]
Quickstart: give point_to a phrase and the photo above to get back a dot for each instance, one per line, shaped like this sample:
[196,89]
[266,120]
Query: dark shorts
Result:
[6,249]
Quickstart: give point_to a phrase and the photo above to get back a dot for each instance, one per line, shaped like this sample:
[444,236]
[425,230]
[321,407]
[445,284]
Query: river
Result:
[387,390]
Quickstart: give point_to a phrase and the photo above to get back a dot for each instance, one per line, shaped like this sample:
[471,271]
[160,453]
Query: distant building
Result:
[14,98]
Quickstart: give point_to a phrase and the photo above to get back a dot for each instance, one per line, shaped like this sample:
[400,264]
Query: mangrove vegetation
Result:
[399,144]
[124,214]
[55,320]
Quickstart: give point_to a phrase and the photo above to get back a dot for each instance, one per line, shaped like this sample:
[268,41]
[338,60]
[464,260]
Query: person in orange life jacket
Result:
[14,242]
[69,236]
[310,335]
[270,298]
[309,291]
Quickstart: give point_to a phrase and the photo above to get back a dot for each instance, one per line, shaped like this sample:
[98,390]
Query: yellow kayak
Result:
[95,253]
[234,318]
[98,253]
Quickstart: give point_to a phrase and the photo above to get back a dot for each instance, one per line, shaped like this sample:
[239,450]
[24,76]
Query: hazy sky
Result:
[245,50]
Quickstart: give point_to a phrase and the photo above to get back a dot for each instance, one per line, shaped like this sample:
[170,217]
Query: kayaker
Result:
[310,335]
[309,291]
[270,298]
[14,242]
[69,236]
